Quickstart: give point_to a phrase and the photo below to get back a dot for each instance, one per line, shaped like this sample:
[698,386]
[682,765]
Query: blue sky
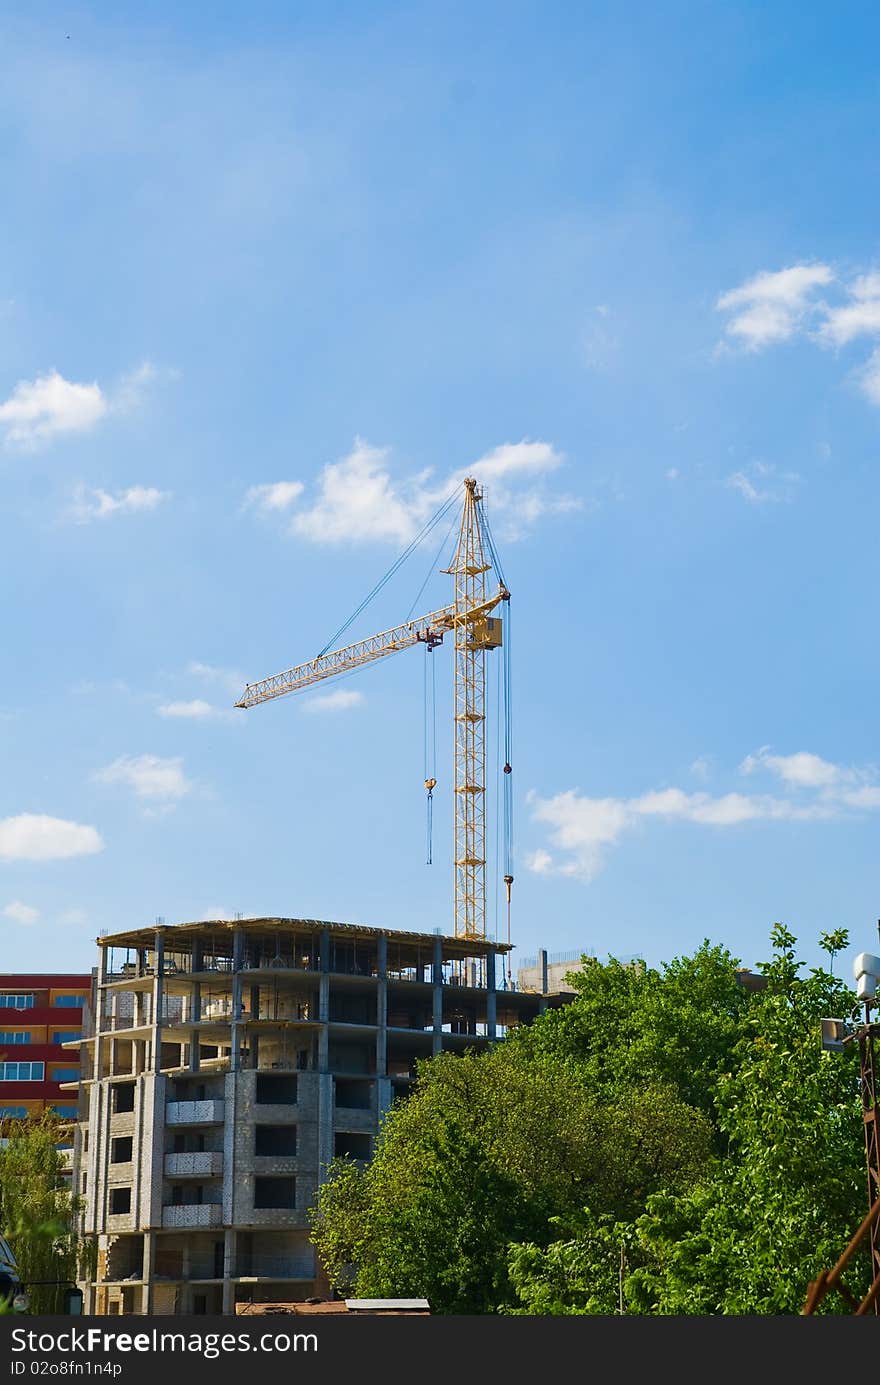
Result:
[270,276]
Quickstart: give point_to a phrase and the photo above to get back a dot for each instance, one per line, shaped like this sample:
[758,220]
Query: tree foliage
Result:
[37,1211]
[487,1151]
[778,1207]
[671,1142]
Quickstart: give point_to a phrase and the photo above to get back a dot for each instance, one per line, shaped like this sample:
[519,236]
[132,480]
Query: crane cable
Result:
[430,742]
[507,775]
[430,701]
[507,772]
[398,562]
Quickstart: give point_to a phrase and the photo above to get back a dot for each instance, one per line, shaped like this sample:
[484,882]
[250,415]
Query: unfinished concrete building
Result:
[229,1063]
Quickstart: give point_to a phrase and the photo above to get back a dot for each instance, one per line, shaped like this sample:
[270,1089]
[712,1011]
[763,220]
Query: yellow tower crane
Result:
[475,630]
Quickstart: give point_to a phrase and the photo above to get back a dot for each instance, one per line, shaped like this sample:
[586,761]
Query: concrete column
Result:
[326,1122]
[437,981]
[236,1029]
[491,996]
[195,1007]
[228,1270]
[158,999]
[148,1271]
[324,1003]
[542,963]
[382,1007]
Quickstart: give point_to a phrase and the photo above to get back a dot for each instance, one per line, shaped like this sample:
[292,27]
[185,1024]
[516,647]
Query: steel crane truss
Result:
[475,630]
[428,629]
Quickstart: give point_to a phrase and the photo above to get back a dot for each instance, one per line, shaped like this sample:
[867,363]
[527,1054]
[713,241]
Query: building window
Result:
[275,1192]
[276,1089]
[22,1072]
[123,1097]
[121,1150]
[14,1036]
[120,1201]
[354,1095]
[352,1145]
[69,1002]
[69,1113]
[16,1002]
[64,1075]
[66,1036]
[14,1112]
[275,1139]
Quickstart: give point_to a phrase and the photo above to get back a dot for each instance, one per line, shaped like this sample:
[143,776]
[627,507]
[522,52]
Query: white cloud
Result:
[148,775]
[334,702]
[215,916]
[20,913]
[801,770]
[35,837]
[358,499]
[672,473]
[195,710]
[541,862]
[129,393]
[583,829]
[38,410]
[275,496]
[513,457]
[772,306]
[99,504]
[869,378]
[859,317]
[701,767]
[752,483]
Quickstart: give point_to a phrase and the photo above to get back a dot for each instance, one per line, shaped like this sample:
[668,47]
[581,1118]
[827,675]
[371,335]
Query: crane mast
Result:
[469,568]
[475,630]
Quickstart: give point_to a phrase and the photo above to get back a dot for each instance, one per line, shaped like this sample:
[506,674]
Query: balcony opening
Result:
[188,1143]
[187,1194]
[121,1150]
[276,1089]
[276,1193]
[275,1139]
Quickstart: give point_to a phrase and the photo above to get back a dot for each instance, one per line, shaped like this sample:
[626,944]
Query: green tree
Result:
[486,1151]
[780,1203]
[791,1191]
[38,1211]
[584,1271]
[634,1025]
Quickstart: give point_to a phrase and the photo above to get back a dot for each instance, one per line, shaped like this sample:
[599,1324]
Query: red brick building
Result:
[39,1013]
